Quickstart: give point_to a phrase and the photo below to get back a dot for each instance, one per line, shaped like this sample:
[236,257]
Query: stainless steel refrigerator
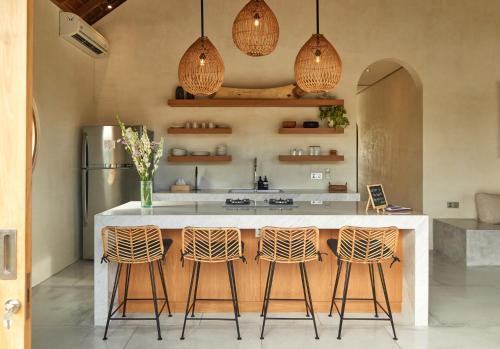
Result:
[109,178]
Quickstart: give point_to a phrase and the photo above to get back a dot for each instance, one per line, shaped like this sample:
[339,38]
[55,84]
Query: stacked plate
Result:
[179,152]
[200,153]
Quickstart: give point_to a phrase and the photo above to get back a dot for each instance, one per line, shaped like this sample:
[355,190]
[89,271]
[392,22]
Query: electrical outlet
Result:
[317,175]
[452,204]
[316,202]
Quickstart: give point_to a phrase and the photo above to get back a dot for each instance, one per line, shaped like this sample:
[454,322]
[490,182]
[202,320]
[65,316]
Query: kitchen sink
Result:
[250,191]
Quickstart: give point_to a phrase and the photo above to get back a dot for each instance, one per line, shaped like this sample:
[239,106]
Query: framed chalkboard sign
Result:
[376,197]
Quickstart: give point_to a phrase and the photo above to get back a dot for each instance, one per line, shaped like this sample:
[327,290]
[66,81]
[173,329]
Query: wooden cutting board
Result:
[291,91]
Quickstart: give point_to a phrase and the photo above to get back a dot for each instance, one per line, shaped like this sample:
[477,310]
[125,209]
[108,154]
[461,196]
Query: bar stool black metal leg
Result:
[125,293]
[195,267]
[265,290]
[344,297]
[388,304]
[235,289]
[155,299]
[311,308]
[196,288]
[335,286]
[374,291]
[112,301]
[267,296]
[230,275]
[164,286]
[304,290]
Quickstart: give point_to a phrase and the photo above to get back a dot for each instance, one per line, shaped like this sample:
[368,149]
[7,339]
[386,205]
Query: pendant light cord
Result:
[202,20]
[317,16]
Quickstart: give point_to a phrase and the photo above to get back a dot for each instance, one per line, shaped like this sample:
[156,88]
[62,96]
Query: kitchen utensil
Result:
[310,124]
[289,124]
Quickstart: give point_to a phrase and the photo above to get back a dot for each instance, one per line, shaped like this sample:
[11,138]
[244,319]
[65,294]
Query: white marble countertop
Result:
[178,214]
[222,194]
[330,215]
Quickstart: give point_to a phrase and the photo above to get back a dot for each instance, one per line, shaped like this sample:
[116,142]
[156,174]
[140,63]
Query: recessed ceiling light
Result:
[367,70]
[110,7]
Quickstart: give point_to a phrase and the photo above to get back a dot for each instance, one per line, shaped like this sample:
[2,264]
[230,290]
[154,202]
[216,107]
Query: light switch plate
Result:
[317,176]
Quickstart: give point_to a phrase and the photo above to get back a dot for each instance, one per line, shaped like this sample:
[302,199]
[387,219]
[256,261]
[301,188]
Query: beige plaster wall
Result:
[452,46]
[63,91]
[390,139]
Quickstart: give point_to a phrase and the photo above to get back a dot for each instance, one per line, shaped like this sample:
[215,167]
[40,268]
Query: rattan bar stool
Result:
[211,245]
[290,246]
[370,246]
[128,246]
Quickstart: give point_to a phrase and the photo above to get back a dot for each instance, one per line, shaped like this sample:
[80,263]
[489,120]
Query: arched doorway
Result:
[390,132]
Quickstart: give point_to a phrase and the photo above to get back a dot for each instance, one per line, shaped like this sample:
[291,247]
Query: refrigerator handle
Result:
[85,147]
[85,193]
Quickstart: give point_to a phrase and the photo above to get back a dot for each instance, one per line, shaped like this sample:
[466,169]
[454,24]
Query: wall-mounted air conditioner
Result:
[75,30]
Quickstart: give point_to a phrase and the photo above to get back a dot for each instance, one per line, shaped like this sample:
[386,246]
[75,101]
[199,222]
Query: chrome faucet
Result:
[255,181]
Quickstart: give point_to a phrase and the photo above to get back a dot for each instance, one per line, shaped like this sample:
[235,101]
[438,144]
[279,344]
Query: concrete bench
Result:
[468,240]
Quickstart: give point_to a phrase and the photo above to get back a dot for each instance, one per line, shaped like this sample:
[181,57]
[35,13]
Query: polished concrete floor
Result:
[464,313]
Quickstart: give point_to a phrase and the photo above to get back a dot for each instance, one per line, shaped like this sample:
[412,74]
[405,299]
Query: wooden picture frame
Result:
[376,203]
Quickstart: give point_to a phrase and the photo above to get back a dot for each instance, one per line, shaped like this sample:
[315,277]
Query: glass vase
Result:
[146,194]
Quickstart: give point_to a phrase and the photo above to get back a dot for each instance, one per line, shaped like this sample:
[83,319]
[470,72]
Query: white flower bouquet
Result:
[146,155]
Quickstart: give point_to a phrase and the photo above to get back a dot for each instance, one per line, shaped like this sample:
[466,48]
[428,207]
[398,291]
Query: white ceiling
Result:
[375,72]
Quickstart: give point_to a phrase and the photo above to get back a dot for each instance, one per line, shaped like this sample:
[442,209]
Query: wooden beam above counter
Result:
[240,102]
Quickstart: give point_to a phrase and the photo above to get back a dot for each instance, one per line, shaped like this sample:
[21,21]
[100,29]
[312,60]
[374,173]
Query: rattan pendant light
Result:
[201,69]
[256,30]
[318,66]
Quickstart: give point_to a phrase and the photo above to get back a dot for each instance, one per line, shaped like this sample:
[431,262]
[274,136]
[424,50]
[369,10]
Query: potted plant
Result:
[146,155]
[335,116]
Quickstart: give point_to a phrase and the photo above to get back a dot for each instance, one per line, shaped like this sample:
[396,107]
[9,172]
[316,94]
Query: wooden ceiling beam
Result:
[88,7]
[62,5]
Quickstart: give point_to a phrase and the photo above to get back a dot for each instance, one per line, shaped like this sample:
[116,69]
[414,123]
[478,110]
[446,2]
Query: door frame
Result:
[16,58]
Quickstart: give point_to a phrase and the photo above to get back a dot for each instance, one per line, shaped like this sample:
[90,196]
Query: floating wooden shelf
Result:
[199,131]
[192,158]
[311,158]
[319,130]
[240,102]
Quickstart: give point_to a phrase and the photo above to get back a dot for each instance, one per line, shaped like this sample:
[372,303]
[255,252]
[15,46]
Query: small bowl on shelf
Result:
[178,152]
[310,124]
[289,124]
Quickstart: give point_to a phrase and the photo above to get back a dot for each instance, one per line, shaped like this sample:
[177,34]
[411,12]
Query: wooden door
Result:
[15,163]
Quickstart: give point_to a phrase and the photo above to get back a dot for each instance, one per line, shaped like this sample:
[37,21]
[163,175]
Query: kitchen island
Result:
[407,281]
